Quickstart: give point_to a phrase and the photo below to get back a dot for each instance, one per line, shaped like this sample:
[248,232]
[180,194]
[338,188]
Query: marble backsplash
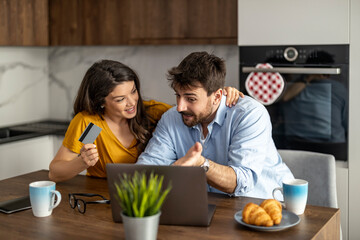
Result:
[38,83]
[24,85]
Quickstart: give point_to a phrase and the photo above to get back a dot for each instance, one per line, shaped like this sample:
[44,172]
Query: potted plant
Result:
[141,198]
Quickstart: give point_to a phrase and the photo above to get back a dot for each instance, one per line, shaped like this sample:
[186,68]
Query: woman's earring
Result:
[102,106]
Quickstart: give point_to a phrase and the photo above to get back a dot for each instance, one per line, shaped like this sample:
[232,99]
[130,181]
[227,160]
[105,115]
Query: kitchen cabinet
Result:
[88,22]
[25,156]
[183,22]
[57,142]
[28,155]
[134,22]
[283,22]
[24,23]
[342,188]
[117,22]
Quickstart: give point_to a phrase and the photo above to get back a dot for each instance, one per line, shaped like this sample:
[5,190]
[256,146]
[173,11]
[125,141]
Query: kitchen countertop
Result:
[33,129]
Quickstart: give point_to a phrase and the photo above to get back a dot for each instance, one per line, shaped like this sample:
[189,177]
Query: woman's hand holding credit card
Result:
[88,152]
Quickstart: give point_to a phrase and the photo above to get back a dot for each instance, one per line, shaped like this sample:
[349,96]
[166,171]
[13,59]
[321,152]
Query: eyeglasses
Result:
[81,204]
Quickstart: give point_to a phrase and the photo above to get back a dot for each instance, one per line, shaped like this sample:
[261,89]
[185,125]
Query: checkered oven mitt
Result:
[265,87]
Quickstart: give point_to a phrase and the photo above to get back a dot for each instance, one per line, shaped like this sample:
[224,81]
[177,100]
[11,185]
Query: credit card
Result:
[90,133]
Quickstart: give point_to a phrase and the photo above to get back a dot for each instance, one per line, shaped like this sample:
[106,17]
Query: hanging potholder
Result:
[265,87]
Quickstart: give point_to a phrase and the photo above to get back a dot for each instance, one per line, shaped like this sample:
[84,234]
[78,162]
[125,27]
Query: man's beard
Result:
[191,123]
[201,118]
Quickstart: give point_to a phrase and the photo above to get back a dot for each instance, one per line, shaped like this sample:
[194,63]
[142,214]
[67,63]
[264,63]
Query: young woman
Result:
[109,97]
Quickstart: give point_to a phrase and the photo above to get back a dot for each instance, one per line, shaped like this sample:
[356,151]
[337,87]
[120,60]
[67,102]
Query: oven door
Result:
[312,111]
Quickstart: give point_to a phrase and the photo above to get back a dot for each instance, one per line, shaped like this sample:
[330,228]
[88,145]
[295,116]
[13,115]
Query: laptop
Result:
[187,202]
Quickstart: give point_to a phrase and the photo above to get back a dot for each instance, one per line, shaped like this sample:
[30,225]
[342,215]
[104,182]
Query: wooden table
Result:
[96,223]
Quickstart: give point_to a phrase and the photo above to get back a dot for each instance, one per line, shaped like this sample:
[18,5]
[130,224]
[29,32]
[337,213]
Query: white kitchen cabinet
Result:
[25,156]
[28,155]
[57,142]
[354,126]
[283,22]
[342,188]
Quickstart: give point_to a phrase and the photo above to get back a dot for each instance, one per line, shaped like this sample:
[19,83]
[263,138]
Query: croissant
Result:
[273,208]
[256,215]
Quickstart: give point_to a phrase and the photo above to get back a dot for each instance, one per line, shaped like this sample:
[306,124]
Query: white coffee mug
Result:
[42,198]
[295,192]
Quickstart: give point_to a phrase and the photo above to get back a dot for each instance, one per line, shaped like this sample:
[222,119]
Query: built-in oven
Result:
[309,108]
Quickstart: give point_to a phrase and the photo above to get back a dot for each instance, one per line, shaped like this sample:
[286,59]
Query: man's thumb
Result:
[198,147]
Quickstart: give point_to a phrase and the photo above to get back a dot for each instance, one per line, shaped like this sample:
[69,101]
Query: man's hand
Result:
[192,157]
[219,176]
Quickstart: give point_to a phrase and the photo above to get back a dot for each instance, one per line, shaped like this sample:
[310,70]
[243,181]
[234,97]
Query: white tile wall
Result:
[38,82]
[69,64]
[24,89]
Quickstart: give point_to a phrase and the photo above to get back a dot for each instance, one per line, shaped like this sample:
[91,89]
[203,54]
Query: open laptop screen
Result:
[187,202]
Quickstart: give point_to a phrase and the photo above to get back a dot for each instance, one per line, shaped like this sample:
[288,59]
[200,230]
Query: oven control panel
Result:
[289,54]
[297,54]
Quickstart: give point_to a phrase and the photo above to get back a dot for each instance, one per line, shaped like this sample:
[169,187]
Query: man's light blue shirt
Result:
[239,137]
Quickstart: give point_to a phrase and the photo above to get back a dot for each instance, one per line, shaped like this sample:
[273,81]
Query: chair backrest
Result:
[319,170]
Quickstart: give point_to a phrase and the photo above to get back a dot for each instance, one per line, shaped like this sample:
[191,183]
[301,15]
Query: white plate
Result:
[288,220]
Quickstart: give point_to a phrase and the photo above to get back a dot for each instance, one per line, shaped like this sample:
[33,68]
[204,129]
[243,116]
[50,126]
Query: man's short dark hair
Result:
[199,67]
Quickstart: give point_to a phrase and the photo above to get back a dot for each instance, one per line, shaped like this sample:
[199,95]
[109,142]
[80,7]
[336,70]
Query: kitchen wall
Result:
[24,88]
[68,65]
[39,83]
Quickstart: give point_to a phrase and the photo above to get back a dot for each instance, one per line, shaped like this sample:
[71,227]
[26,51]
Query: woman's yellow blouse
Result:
[109,147]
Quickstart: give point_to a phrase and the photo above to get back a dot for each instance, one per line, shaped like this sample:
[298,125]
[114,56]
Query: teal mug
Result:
[42,198]
[295,192]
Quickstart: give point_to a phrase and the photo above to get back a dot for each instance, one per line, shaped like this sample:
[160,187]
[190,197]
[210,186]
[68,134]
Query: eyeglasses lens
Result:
[81,205]
[72,201]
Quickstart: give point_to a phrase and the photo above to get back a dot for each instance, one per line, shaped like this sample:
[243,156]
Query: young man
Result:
[233,145]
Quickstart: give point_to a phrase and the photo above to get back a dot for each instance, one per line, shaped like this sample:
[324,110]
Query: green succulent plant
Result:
[140,196]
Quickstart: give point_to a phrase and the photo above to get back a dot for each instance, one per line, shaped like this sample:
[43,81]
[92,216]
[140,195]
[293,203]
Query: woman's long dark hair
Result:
[99,81]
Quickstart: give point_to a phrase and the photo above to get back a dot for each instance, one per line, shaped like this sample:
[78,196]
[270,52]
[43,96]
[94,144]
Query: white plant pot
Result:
[145,228]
